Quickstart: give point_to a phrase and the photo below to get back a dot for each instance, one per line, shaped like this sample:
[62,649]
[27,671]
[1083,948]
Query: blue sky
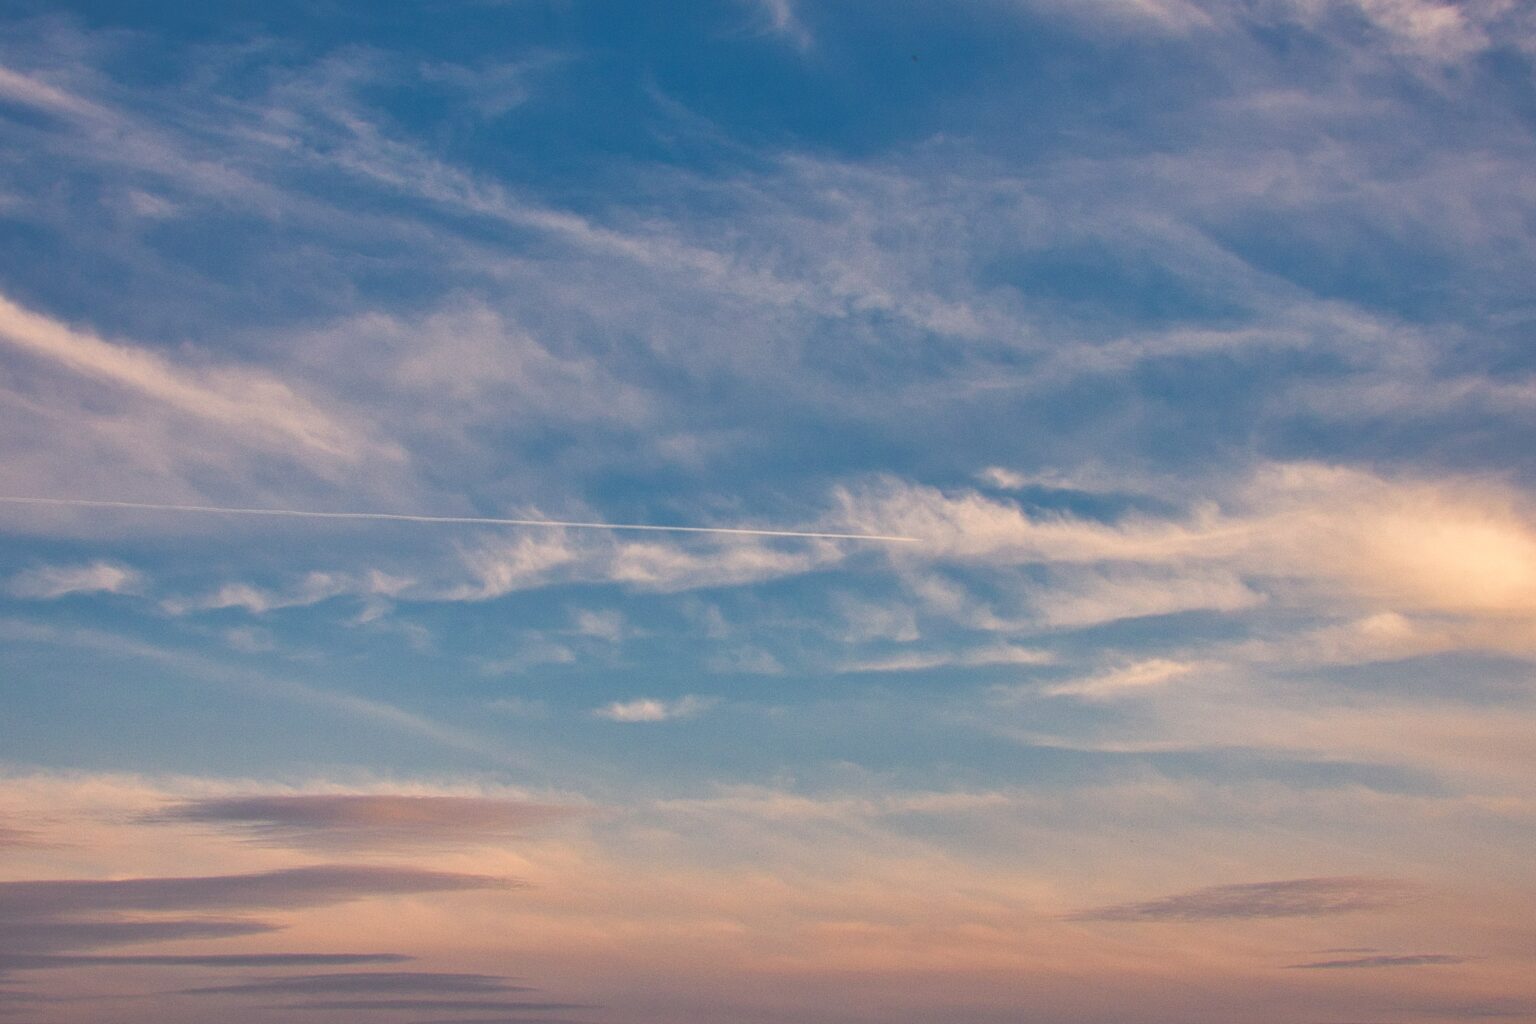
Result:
[1188,340]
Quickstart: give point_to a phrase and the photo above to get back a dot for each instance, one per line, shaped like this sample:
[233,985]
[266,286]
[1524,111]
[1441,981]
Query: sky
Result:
[1103,429]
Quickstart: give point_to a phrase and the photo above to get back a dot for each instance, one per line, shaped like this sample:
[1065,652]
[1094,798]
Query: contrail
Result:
[406,517]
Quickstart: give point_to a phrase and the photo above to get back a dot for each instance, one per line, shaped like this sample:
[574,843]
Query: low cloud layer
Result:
[435,1005]
[53,917]
[363,820]
[59,961]
[36,932]
[286,888]
[1369,962]
[1300,897]
[371,983]
[16,837]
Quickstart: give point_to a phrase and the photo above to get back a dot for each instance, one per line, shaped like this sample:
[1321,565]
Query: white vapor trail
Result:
[405,517]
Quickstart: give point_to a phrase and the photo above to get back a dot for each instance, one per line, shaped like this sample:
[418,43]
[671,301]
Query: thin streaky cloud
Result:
[983,657]
[429,1005]
[1149,674]
[241,399]
[285,888]
[41,933]
[32,92]
[367,983]
[650,709]
[16,837]
[1494,1009]
[55,961]
[1296,897]
[49,582]
[1366,962]
[365,819]
[404,517]
[785,22]
[505,1020]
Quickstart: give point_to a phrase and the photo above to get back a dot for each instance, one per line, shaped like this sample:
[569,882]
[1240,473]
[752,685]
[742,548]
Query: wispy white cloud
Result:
[532,652]
[313,588]
[1075,598]
[148,205]
[1088,477]
[607,624]
[1427,28]
[469,363]
[1388,636]
[650,709]
[517,563]
[35,92]
[782,19]
[53,581]
[250,639]
[980,657]
[452,370]
[1458,546]
[499,566]
[1430,29]
[492,88]
[1163,16]
[967,525]
[242,402]
[865,620]
[1124,681]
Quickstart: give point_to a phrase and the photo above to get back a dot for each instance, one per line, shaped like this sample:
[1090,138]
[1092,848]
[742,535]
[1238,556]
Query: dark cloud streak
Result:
[366,983]
[69,915]
[341,819]
[51,961]
[285,889]
[1492,1008]
[1413,960]
[505,1020]
[447,1005]
[43,936]
[13,837]
[1299,897]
